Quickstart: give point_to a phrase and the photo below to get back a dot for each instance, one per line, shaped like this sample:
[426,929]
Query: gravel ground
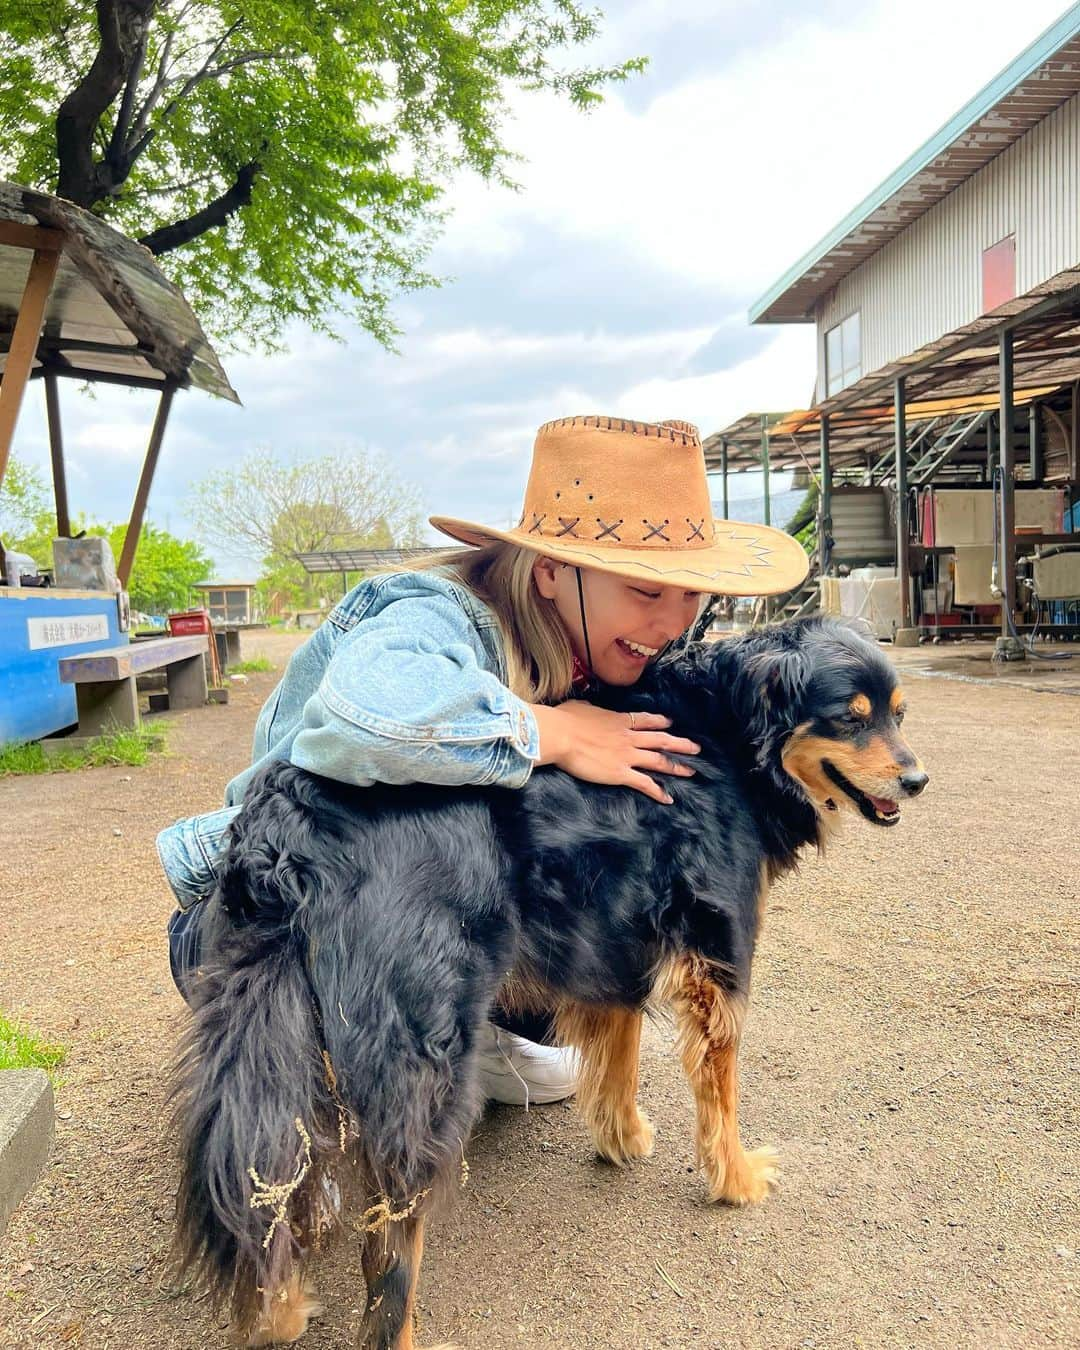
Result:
[911,1049]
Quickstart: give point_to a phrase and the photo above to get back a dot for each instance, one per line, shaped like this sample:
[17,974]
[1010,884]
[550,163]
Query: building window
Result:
[999,273]
[843,355]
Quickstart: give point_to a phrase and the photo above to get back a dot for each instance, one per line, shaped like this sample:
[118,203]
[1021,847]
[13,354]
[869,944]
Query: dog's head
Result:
[827,708]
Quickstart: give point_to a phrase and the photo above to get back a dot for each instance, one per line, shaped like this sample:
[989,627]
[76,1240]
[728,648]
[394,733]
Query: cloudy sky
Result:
[617,280]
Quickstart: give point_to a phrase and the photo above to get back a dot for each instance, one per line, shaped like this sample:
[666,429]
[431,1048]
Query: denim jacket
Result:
[402,683]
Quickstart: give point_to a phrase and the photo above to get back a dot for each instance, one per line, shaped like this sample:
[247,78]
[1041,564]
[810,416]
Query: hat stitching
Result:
[534,528]
[568,527]
[656,529]
[695,530]
[609,529]
[674,432]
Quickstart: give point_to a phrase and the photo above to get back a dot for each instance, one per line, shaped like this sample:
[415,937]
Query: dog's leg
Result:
[286,1314]
[391,1259]
[608,1039]
[709,1025]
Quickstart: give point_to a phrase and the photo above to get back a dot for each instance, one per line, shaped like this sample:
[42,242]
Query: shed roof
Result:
[1038,81]
[111,314]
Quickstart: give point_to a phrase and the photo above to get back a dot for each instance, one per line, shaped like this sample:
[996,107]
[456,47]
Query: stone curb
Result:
[27,1125]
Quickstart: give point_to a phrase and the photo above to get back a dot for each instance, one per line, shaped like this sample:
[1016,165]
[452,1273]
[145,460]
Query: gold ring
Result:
[631,717]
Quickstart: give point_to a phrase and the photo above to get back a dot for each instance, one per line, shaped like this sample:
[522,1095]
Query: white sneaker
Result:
[518,1072]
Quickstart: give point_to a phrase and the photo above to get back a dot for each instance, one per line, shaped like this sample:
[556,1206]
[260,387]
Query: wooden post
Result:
[824,500]
[56,450]
[24,341]
[723,475]
[142,492]
[903,570]
[1008,481]
[765,467]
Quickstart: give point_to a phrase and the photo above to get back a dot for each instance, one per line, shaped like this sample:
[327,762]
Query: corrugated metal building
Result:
[947,310]
[982,213]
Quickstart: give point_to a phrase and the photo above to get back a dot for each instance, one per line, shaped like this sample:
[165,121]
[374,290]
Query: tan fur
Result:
[524,992]
[609,1041]
[872,768]
[709,1022]
[896,700]
[287,1314]
[860,706]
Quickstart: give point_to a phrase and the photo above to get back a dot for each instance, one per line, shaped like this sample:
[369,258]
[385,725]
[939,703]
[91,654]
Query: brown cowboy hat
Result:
[632,498]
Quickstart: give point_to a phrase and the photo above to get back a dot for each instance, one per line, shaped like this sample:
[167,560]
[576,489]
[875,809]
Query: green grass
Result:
[255,666]
[120,747]
[20,1050]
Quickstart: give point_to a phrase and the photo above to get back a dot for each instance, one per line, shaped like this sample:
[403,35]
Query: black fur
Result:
[382,922]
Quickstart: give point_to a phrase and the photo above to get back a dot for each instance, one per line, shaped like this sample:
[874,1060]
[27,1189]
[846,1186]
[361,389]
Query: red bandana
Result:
[580,679]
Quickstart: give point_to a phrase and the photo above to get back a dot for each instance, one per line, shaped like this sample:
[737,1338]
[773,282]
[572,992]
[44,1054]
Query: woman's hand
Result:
[618,748]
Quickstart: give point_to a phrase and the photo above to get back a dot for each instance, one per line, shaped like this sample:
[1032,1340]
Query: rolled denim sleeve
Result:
[191,852]
[406,698]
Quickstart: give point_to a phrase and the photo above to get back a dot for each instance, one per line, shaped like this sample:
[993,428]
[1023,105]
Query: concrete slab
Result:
[27,1125]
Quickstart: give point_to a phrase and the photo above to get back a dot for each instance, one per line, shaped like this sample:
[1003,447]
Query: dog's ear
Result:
[771,694]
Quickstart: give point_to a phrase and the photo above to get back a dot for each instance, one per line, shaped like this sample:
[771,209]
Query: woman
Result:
[467,673]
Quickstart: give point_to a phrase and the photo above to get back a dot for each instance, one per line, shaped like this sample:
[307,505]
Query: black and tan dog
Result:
[360,936]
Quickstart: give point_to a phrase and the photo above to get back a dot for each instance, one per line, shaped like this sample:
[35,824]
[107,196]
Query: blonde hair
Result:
[539,658]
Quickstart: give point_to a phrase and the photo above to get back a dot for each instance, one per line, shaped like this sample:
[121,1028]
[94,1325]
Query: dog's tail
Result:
[253,1105]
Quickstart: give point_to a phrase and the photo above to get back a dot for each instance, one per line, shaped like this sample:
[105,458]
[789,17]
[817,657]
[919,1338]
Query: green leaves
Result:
[357,115]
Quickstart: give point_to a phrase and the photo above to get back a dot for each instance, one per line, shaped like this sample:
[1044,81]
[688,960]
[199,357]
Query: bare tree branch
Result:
[215,213]
[115,151]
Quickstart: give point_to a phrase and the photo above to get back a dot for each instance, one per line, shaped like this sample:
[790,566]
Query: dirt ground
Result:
[911,1049]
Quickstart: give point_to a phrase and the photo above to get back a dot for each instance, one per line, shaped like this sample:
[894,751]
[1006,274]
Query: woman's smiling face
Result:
[628,621]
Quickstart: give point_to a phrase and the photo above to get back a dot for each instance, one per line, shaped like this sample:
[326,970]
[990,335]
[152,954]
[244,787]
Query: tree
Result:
[284,158]
[165,567]
[24,501]
[276,511]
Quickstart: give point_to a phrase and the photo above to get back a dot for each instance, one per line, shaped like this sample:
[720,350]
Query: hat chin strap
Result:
[584,625]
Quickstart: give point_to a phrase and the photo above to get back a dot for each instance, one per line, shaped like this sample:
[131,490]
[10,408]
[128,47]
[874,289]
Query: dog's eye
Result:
[900,714]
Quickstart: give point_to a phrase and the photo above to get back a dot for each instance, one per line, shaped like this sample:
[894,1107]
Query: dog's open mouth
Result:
[878,810]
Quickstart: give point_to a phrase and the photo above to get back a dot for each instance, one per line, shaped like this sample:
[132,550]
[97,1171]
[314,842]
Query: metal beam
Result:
[56,451]
[765,467]
[24,340]
[903,571]
[723,475]
[69,372]
[142,492]
[987,337]
[1008,481]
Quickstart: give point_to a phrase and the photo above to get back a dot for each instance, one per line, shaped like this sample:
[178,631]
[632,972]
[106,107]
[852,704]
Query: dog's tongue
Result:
[886,807]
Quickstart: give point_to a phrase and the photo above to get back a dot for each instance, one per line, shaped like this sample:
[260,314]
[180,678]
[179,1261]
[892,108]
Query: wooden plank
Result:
[142,492]
[120,663]
[38,237]
[24,342]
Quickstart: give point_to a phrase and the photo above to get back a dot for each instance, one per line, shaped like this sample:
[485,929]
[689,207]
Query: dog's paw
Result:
[287,1315]
[621,1141]
[749,1180]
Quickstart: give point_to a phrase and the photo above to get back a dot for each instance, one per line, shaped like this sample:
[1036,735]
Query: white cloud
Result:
[729,178]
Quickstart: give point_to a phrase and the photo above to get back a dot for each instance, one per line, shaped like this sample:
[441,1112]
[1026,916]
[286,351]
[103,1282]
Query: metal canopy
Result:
[111,313]
[954,375]
[364,559]
[1041,78]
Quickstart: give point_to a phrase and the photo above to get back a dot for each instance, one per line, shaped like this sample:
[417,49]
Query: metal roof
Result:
[112,314]
[952,376]
[365,559]
[1041,78]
